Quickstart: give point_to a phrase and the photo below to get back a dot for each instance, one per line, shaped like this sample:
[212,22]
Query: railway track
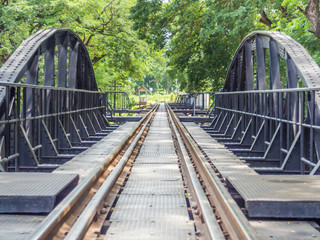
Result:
[90,192]
[211,195]
[84,213]
[94,210]
[159,178]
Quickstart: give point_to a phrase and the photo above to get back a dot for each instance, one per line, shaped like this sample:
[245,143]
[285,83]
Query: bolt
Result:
[105,205]
[103,211]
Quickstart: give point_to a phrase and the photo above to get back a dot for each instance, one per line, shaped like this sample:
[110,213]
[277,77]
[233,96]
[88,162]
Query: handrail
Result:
[32,86]
[304,89]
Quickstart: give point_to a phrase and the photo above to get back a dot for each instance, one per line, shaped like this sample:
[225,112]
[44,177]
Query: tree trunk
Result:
[312,13]
[264,19]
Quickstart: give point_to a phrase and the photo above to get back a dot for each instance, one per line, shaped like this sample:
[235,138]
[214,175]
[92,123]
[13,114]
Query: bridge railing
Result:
[41,122]
[283,124]
[117,100]
[199,100]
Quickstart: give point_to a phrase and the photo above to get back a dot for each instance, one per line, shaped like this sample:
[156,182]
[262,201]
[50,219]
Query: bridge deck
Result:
[281,196]
[153,204]
[261,192]
[224,160]
[86,161]
[22,226]
[29,193]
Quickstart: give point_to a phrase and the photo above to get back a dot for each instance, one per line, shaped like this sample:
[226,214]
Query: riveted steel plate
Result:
[284,230]
[137,230]
[150,158]
[224,160]
[155,172]
[231,166]
[153,204]
[282,196]
[227,160]
[204,140]
[33,192]
[86,161]
[202,143]
[150,207]
[164,186]
[82,165]
[105,145]
[18,227]
[219,153]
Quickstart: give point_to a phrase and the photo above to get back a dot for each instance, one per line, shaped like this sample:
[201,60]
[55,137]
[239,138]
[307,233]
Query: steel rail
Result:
[79,229]
[233,218]
[212,225]
[58,215]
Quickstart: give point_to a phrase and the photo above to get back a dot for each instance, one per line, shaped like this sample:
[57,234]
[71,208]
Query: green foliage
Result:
[201,36]
[154,42]
[107,31]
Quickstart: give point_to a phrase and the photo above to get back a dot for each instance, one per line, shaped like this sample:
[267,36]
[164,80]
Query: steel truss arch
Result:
[50,107]
[263,107]
[74,68]
[298,62]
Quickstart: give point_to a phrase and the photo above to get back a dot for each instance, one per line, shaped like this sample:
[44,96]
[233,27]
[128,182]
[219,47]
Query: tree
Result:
[200,37]
[104,26]
[312,13]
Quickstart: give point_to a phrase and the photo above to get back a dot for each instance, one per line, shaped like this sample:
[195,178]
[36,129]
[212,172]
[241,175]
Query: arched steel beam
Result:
[74,71]
[272,121]
[298,60]
[63,112]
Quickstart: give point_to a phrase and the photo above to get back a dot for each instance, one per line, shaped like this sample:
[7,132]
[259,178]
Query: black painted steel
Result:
[50,57]
[195,101]
[34,192]
[118,102]
[60,123]
[262,114]
[50,106]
